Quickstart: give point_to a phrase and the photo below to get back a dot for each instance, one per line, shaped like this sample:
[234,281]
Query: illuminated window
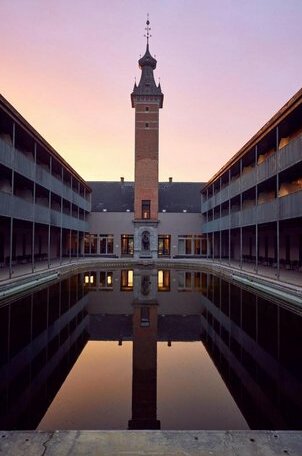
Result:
[89,279]
[163,280]
[127,280]
[146,209]
[106,280]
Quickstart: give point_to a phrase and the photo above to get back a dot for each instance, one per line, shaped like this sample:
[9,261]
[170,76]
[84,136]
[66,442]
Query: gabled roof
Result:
[119,196]
[112,196]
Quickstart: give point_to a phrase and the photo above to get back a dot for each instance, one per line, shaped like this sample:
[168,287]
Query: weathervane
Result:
[148,28]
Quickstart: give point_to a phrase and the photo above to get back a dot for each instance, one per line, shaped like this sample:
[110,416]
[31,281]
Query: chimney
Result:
[170,179]
[122,180]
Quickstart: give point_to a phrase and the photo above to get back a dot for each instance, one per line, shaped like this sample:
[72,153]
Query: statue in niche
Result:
[145,285]
[146,241]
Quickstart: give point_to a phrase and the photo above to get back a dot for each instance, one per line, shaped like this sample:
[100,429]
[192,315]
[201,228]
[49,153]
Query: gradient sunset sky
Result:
[225,67]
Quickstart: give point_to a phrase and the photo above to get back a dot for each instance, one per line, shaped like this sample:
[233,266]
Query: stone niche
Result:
[145,285]
[145,240]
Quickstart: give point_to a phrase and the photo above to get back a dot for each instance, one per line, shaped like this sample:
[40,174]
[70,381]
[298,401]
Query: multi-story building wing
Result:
[252,207]
[43,202]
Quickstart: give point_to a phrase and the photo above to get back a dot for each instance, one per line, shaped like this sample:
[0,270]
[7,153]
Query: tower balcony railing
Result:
[284,158]
[14,159]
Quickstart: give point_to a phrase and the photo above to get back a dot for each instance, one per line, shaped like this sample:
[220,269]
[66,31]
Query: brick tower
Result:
[146,98]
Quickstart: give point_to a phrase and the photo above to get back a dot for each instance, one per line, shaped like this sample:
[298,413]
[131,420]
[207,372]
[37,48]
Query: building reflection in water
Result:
[144,361]
[254,343]
[42,335]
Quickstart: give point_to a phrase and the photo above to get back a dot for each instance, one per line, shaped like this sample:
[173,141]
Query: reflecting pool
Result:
[149,349]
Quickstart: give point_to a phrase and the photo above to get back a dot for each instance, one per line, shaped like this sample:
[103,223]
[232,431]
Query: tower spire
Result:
[148,28]
[147,63]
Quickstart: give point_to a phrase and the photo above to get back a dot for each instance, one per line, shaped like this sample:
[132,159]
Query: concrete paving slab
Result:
[151,443]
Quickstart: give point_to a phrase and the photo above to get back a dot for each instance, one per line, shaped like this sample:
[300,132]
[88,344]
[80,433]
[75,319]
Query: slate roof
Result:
[119,196]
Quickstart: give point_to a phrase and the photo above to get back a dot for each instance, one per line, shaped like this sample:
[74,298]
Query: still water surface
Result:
[149,349]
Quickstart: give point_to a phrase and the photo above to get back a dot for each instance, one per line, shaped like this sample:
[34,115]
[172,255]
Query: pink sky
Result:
[226,66]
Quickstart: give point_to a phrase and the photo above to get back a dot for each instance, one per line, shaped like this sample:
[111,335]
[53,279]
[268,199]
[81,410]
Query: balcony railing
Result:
[19,208]
[6,154]
[286,207]
[279,161]
[13,158]
[290,206]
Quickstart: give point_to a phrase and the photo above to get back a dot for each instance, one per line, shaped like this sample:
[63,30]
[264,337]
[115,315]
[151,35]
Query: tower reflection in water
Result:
[254,343]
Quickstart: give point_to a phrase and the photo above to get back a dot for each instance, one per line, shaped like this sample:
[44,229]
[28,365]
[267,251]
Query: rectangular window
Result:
[146,209]
[163,280]
[127,244]
[90,279]
[87,244]
[127,280]
[197,249]
[106,280]
[190,244]
[106,244]
[164,243]
[190,281]
[93,243]
[90,244]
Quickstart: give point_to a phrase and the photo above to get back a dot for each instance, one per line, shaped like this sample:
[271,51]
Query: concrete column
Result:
[207,245]
[257,248]
[213,246]
[240,215]
[11,247]
[78,243]
[278,248]
[207,223]
[220,240]
[278,207]
[229,219]
[78,234]
[71,216]
[256,203]
[49,209]
[33,241]
[61,227]
[11,219]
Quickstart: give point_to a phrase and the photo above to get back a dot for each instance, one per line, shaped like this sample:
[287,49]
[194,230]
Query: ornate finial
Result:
[148,28]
